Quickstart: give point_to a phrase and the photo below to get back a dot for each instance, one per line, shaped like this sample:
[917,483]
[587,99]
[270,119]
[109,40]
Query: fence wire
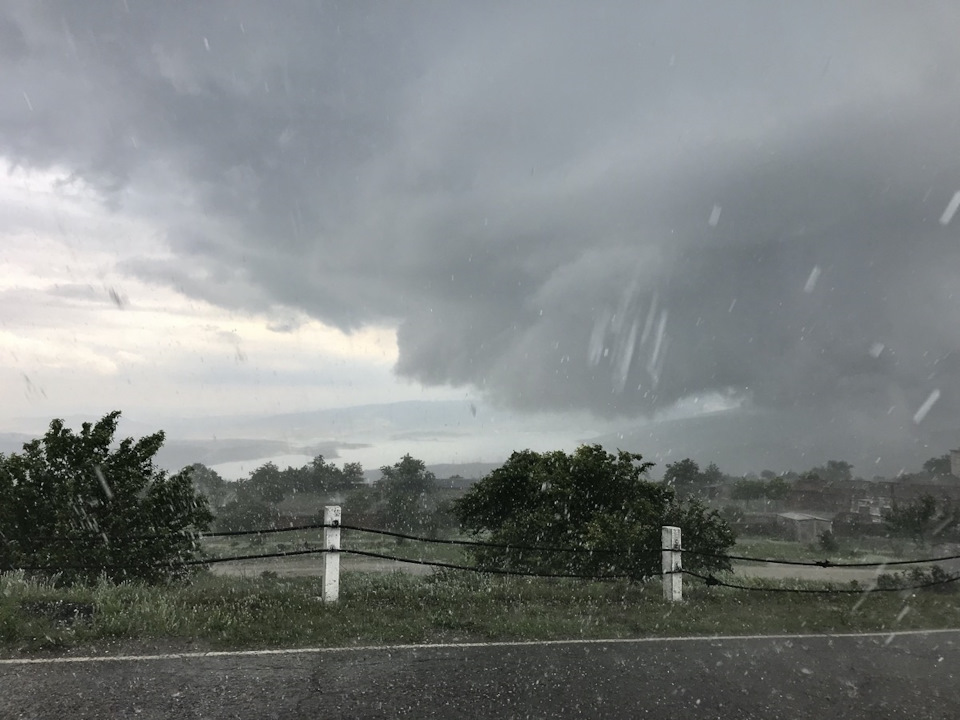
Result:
[714,581]
[708,579]
[313,551]
[826,563]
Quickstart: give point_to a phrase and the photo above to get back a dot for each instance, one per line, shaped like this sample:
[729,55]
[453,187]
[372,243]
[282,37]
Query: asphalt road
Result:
[909,676]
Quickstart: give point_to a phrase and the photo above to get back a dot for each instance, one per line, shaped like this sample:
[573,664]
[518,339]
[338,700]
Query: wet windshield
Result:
[435,264]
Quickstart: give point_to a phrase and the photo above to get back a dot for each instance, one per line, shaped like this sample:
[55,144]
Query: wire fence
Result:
[710,579]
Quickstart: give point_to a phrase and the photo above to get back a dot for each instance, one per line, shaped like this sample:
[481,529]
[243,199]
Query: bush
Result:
[935,578]
[827,542]
[72,507]
[247,513]
[591,500]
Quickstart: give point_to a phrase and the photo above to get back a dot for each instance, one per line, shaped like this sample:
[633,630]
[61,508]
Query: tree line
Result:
[80,506]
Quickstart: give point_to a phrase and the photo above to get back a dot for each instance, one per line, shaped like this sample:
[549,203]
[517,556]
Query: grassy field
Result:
[213,612]
[866,549]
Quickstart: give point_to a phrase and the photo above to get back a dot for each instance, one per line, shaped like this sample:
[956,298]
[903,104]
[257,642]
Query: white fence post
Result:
[331,558]
[670,563]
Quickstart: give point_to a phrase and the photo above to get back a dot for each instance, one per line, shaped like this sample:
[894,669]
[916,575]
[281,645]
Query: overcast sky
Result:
[602,209]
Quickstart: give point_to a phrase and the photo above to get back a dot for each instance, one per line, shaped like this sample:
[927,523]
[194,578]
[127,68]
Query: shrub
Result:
[827,542]
[935,578]
[72,507]
[592,500]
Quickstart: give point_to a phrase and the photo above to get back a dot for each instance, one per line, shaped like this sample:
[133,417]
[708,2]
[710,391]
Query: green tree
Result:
[352,475]
[777,489]
[712,475]
[591,500]
[209,483]
[407,489]
[827,542]
[266,483]
[915,520]
[684,477]
[834,471]
[744,489]
[247,512]
[938,466]
[77,508]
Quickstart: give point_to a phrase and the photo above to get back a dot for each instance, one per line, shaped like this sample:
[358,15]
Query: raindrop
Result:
[626,357]
[951,209]
[648,325]
[922,411]
[715,216]
[206,44]
[812,279]
[118,299]
[732,304]
[658,342]
[27,100]
[876,349]
[103,482]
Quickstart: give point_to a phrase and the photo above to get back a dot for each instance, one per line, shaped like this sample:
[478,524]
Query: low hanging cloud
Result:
[568,206]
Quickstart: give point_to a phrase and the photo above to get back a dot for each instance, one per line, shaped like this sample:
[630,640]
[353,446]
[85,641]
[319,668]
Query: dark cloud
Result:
[13,47]
[610,206]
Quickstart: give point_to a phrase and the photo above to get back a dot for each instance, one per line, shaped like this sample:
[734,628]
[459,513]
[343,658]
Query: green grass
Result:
[220,612]
[867,549]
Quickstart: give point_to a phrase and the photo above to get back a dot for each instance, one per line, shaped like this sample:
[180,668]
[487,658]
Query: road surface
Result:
[911,675]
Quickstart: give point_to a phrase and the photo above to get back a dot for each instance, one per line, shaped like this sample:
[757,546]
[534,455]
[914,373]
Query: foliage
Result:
[321,476]
[711,475]
[935,578]
[210,483]
[247,513]
[938,466]
[254,504]
[774,489]
[687,479]
[405,499]
[827,542]
[746,489]
[265,484]
[592,500]
[70,503]
[732,514]
[833,471]
[683,476]
[406,490]
[919,519]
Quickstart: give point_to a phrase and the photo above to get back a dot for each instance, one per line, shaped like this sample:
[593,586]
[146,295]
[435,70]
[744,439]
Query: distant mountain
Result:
[176,454]
[357,421]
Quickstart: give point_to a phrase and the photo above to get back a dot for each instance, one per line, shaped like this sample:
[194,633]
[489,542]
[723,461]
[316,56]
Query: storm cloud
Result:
[601,206]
